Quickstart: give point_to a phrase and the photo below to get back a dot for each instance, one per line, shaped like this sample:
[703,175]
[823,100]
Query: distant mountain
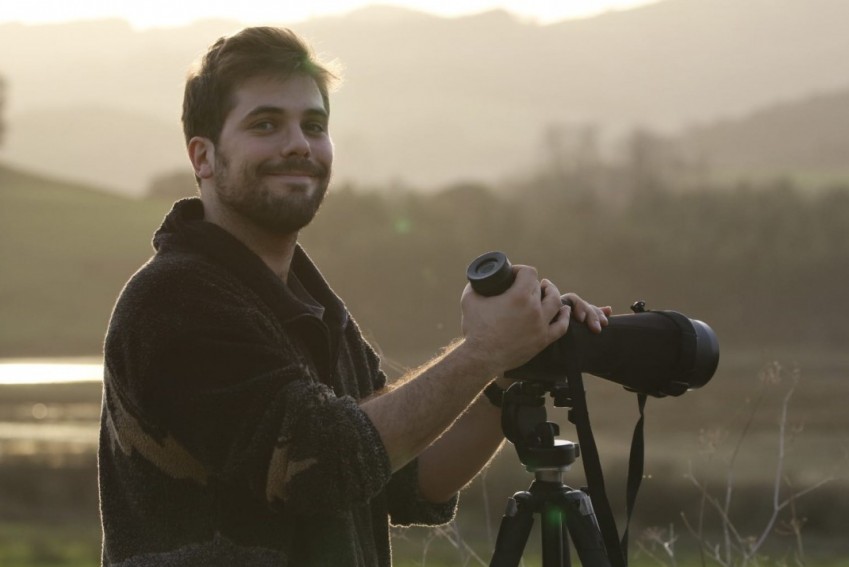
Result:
[430,100]
[103,146]
[811,134]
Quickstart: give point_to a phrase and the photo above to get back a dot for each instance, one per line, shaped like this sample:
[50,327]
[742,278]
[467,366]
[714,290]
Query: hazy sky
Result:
[155,13]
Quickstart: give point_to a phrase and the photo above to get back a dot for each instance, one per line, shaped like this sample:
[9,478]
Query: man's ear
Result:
[202,155]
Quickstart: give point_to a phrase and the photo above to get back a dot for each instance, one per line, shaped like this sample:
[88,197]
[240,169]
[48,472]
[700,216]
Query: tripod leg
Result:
[514,530]
[555,543]
[583,527]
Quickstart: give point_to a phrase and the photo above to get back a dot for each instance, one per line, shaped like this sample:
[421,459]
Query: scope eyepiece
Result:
[490,274]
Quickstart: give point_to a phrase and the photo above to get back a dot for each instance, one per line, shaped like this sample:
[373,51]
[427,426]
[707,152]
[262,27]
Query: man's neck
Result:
[276,250]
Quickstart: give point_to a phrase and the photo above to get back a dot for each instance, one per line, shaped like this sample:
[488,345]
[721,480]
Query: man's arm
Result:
[500,333]
[454,459]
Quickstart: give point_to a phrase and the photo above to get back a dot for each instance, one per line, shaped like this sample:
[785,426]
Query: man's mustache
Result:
[292,166]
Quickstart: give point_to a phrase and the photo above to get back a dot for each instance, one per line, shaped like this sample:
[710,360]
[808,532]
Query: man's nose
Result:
[296,143]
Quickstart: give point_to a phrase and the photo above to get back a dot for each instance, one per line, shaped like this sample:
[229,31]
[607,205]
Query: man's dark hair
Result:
[230,61]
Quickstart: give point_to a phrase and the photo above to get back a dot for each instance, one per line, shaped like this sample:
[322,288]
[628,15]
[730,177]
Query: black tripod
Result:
[564,511]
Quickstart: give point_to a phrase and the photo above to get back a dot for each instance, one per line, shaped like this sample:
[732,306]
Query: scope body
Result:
[660,353]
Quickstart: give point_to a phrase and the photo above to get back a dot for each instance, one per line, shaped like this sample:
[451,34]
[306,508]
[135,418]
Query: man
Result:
[245,420]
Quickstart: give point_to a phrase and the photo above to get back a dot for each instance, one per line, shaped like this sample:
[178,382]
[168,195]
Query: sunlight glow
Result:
[166,13]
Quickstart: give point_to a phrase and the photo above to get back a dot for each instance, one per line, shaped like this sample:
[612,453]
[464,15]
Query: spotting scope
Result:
[659,353]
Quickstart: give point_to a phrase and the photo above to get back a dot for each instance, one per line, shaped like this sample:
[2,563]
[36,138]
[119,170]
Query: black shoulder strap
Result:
[617,550]
[579,416]
[635,467]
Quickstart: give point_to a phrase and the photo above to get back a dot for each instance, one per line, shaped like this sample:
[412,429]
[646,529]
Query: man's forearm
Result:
[411,416]
[454,459]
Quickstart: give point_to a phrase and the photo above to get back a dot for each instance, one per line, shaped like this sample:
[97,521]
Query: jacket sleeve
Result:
[200,375]
[408,507]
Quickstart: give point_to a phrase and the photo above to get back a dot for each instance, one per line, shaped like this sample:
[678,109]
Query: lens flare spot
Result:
[552,516]
[40,411]
[403,226]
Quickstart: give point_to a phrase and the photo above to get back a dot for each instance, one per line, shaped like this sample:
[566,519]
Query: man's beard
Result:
[279,213]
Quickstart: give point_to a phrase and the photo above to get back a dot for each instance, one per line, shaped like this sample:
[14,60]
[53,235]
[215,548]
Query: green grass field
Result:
[79,546]
[49,515]
[27,545]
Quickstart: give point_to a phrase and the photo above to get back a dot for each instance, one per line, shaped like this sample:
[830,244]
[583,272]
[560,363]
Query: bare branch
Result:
[736,549]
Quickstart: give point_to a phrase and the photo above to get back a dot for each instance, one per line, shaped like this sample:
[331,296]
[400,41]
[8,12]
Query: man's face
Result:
[274,156]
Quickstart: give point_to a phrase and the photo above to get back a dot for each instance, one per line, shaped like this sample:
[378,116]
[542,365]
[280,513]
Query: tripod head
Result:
[524,422]
[564,511]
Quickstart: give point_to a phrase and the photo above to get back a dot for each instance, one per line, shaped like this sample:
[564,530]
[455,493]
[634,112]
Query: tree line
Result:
[764,265]
[763,262]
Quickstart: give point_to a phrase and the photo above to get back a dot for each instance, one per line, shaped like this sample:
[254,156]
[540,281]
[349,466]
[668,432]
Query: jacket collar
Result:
[184,228]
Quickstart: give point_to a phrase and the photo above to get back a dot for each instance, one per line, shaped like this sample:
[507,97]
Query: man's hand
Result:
[507,330]
[594,317]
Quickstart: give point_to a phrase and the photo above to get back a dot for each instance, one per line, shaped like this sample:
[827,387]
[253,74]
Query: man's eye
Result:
[315,127]
[264,126]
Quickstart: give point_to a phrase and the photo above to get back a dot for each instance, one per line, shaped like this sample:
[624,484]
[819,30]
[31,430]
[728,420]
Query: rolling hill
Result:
[65,250]
[811,135]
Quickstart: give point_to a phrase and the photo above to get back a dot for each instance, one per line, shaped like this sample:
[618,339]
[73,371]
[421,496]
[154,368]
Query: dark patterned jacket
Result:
[230,432]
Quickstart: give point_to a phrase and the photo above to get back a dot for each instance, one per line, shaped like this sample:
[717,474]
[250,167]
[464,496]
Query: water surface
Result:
[50,370]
